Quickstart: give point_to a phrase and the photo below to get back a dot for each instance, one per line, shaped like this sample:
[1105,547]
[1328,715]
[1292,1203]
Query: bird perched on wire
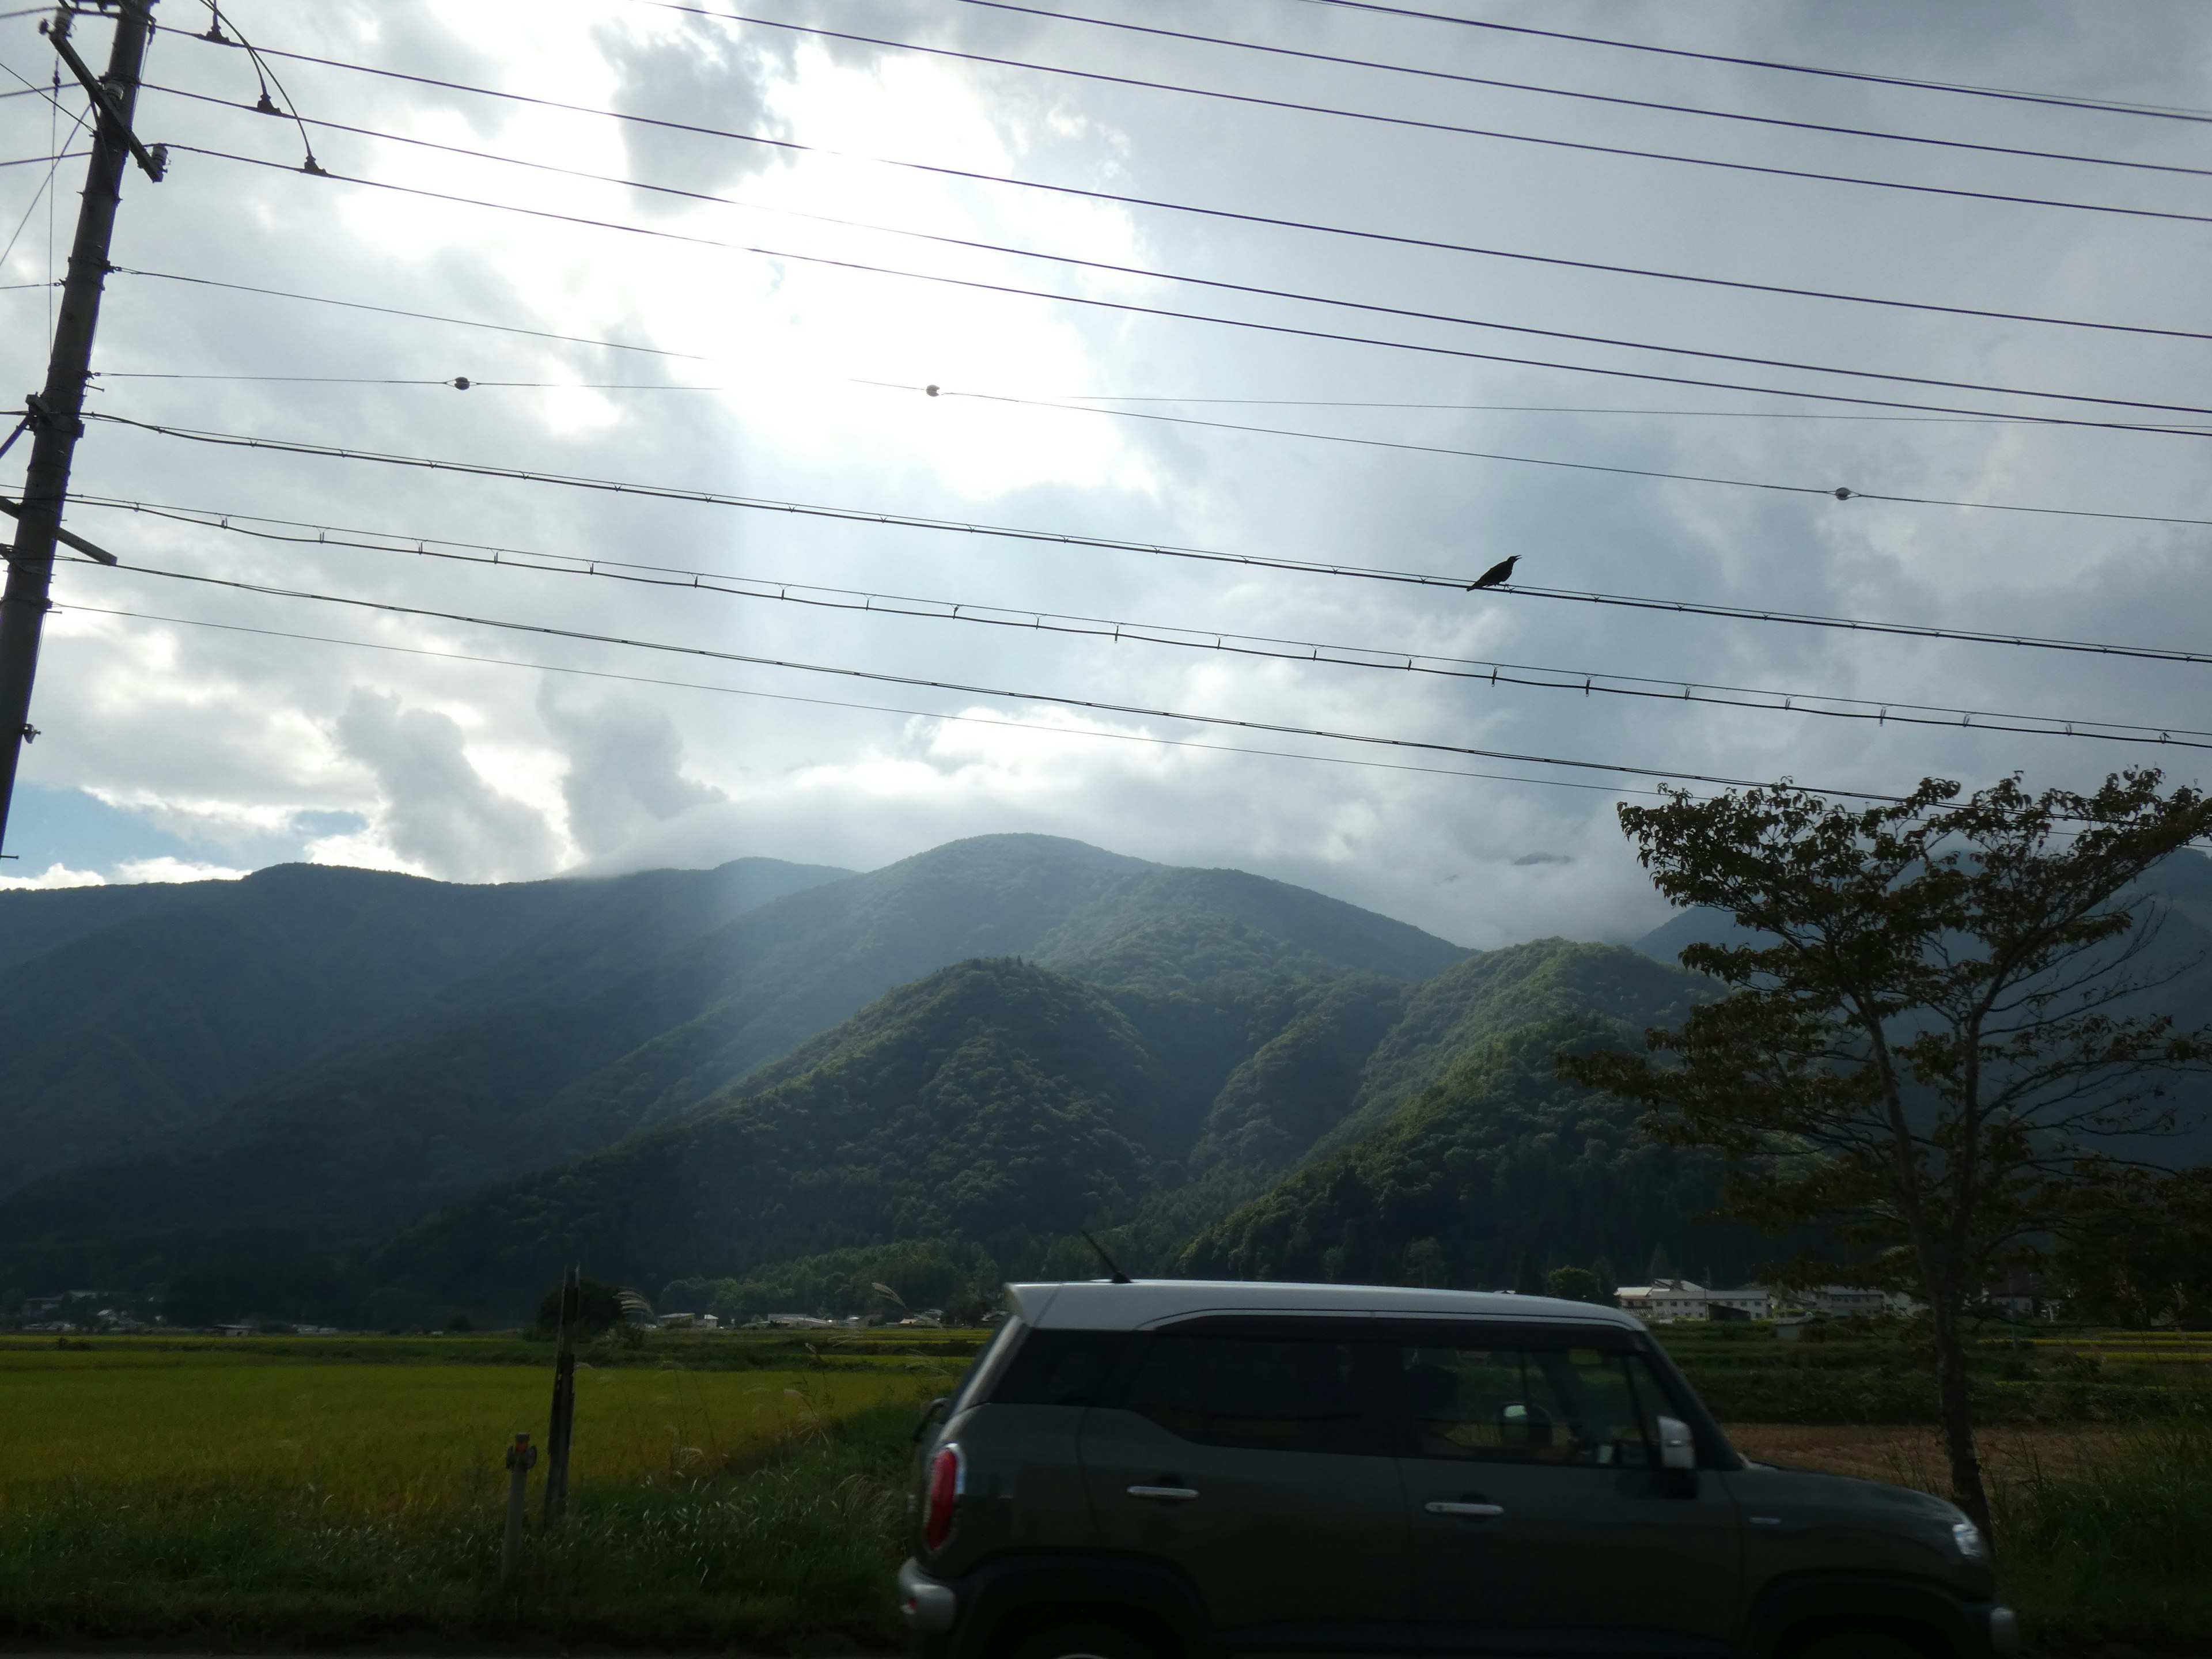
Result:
[1497,573]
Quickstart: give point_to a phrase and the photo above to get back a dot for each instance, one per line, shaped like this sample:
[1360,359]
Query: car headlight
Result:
[1968,1537]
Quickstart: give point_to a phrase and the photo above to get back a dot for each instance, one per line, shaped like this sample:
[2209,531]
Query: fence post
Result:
[564,1403]
[520,1456]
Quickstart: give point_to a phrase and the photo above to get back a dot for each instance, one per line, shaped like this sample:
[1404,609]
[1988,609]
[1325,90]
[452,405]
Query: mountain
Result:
[965,1110]
[125,1013]
[1497,1158]
[561,1021]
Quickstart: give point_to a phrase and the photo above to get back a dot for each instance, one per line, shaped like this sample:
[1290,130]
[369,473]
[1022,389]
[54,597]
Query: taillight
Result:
[946,1470]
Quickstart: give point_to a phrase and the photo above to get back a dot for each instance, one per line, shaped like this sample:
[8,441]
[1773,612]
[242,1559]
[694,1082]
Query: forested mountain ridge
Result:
[119,1020]
[619,1005]
[882,1136]
[1495,1160]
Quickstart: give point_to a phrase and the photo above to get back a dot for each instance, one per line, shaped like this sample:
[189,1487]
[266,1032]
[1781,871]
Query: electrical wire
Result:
[1074,403]
[793,147]
[2061,100]
[1130,307]
[1482,455]
[1063,538]
[396,311]
[1589,97]
[878,676]
[870,707]
[623,182]
[1586,682]
[1400,121]
[1413,123]
[333,451]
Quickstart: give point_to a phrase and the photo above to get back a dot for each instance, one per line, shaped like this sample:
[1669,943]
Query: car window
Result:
[1061,1368]
[1296,1395]
[1572,1406]
[983,1371]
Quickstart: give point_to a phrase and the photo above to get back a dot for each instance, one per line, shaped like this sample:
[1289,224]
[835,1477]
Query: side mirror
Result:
[1678,1449]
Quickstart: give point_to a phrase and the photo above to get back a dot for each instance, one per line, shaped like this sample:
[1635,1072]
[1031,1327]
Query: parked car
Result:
[1180,1470]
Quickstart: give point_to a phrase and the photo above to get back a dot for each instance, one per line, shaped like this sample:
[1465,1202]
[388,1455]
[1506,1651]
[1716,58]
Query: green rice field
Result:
[271,1491]
[747,1491]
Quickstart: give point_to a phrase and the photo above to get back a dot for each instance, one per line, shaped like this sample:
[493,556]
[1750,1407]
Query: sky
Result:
[767,320]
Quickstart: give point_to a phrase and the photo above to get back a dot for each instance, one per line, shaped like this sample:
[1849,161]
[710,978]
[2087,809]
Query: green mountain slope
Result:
[1221,1094]
[637,1006]
[993,1100]
[152,1018]
[1495,991]
[1496,1157]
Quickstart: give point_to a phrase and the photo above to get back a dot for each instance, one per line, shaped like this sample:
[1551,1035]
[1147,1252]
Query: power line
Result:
[334,451]
[2061,101]
[1486,455]
[1076,403]
[1066,538]
[1130,307]
[459,382]
[870,707]
[396,311]
[1393,660]
[1592,97]
[1407,122]
[969,175]
[1411,122]
[965,689]
[1078,397]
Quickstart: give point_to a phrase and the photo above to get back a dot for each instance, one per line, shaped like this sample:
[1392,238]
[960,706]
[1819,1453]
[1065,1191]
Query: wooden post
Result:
[564,1403]
[520,1456]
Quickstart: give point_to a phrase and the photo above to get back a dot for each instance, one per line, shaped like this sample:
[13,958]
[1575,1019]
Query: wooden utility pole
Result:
[564,1401]
[53,416]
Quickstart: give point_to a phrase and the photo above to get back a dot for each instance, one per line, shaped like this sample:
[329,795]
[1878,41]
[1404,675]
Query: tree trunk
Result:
[1967,1489]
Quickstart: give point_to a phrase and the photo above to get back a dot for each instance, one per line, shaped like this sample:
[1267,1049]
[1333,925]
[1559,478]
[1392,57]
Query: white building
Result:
[1668,1299]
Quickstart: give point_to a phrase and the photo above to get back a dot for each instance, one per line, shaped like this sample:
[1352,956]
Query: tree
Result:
[1574,1285]
[1608,1280]
[1922,1049]
[2137,1250]
[1660,1268]
[599,1308]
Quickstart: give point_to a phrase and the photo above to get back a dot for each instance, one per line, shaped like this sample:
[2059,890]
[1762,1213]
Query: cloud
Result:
[704,75]
[55,875]
[625,767]
[438,812]
[171,869]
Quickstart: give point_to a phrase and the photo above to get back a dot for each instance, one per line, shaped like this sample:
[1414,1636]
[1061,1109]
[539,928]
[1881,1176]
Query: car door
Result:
[1253,1454]
[1541,1520]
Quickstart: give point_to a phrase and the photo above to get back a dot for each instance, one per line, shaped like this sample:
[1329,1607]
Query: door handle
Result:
[1480,1511]
[1172,1494]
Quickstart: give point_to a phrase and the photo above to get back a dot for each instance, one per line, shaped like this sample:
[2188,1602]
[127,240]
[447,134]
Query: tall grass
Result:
[277,1503]
[2117,1546]
[798,1536]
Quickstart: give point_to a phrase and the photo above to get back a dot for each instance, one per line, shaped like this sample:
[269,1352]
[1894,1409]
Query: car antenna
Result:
[1113,1272]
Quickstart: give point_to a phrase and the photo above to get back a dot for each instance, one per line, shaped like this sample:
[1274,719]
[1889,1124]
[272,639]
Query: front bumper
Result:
[927,1605]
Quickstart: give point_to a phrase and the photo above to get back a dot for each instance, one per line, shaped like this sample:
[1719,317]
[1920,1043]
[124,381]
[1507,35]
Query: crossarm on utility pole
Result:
[155,160]
[67,537]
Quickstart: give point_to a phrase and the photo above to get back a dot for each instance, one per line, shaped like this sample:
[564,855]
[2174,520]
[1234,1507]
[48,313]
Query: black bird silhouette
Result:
[1497,573]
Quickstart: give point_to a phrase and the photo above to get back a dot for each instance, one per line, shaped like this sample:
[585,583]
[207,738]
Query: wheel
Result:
[1860,1644]
[1084,1641]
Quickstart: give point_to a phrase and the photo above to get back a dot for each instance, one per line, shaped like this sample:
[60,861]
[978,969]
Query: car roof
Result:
[1101,1305]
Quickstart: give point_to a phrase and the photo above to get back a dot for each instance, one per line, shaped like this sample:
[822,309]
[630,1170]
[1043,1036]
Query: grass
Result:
[747,1491]
[258,1496]
[2103,1531]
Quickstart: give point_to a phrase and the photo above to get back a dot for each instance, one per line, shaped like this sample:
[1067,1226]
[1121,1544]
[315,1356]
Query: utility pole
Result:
[53,416]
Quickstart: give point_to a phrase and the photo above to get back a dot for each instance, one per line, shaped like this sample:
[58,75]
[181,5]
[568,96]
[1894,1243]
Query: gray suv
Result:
[1172,1469]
